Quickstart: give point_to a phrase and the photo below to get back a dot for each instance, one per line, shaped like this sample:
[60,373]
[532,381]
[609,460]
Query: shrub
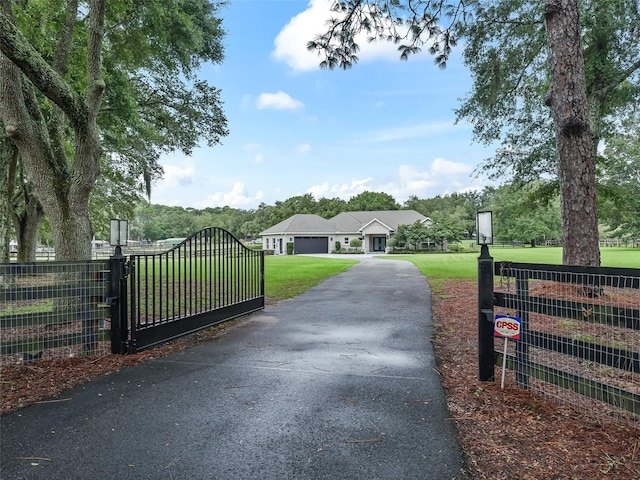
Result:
[355,243]
[289,248]
[338,246]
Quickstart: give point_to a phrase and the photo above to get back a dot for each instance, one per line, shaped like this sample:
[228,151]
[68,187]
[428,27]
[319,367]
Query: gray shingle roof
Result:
[302,223]
[353,221]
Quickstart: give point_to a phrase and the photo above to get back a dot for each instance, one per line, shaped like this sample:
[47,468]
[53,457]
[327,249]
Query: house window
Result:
[274,243]
[346,240]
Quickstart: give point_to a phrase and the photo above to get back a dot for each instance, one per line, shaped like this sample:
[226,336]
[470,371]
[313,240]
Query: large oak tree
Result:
[94,86]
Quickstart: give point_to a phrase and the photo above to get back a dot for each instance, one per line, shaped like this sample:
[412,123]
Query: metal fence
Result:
[52,310]
[209,278]
[580,334]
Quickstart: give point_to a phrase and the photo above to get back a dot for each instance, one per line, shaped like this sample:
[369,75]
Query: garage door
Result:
[311,244]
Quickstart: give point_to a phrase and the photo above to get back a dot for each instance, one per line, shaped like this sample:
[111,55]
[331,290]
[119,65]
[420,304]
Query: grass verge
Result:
[286,276]
[464,266]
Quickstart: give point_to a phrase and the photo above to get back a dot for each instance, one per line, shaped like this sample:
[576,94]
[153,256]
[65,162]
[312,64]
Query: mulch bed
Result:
[505,434]
[512,433]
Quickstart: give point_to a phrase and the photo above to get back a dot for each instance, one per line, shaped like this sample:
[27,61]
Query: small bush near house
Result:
[289,248]
[355,243]
[338,246]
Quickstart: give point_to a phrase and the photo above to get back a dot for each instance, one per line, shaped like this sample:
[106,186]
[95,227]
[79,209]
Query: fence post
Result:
[117,300]
[485,316]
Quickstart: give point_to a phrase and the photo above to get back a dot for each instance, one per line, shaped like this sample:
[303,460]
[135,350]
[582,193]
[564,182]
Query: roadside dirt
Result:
[505,434]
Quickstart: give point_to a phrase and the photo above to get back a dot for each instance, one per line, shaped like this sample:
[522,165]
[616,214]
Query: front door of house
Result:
[379,243]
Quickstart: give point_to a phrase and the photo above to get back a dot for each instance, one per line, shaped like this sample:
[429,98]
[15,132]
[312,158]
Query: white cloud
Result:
[277,101]
[259,158]
[440,166]
[291,42]
[344,191]
[303,148]
[426,183]
[439,178]
[175,176]
[236,198]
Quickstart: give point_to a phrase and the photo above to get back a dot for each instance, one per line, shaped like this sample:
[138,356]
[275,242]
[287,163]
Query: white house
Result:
[313,234]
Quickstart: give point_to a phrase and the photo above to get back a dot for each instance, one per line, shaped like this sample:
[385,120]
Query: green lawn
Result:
[286,276]
[464,265]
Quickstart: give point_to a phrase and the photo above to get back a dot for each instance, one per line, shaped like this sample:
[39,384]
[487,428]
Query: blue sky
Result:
[384,126]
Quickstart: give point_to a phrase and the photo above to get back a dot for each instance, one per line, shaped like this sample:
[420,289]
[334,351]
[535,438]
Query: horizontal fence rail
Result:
[580,332]
[52,310]
[209,278]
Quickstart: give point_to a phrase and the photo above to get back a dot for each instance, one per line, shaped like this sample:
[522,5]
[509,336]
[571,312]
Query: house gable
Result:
[376,227]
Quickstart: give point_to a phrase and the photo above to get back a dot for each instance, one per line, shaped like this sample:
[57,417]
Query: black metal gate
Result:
[209,278]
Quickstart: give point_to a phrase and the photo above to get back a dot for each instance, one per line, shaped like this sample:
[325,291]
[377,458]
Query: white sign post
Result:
[508,328]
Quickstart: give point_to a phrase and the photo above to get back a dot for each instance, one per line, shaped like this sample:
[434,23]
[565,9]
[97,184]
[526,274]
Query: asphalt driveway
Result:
[337,383]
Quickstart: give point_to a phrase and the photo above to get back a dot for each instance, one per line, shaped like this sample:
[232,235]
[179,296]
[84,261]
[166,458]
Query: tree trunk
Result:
[576,163]
[27,225]
[8,162]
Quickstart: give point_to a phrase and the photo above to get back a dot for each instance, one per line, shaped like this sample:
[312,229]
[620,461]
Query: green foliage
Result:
[620,173]
[515,94]
[372,201]
[521,214]
[337,246]
[508,64]
[157,222]
[355,243]
[460,207]
[154,101]
[290,247]
[408,24]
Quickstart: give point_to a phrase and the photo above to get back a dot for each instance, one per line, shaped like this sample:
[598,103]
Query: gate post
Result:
[117,301]
[485,316]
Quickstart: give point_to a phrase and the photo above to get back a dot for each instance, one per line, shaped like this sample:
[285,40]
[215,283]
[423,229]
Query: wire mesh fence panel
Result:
[580,341]
[52,310]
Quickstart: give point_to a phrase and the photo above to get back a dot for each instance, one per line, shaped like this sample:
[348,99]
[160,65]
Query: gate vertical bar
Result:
[485,316]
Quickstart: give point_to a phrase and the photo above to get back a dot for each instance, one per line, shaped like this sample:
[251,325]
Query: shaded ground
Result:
[505,434]
[510,433]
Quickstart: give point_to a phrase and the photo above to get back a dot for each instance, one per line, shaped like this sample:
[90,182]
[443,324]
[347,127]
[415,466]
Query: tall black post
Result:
[117,300]
[485,316]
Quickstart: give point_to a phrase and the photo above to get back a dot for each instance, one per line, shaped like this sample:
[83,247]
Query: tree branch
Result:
[96,84]
[42,75]
[61,56]
[622,77]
